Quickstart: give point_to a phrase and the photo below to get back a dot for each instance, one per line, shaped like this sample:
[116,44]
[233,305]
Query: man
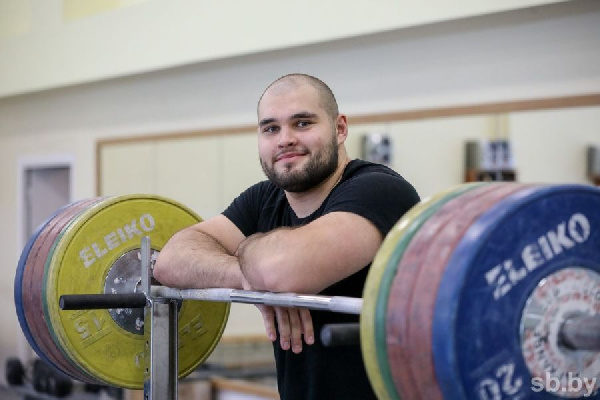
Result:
[313,227]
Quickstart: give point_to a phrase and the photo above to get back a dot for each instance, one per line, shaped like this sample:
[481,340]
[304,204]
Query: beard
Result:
[320,166]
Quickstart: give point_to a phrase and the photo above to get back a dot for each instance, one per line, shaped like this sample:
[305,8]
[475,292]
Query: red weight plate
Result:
[401,291]
[34,315]
[33,278]
[440,248]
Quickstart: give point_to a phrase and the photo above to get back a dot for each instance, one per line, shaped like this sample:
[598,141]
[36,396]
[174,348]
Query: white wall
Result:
[48,48]
[550,51]
[550,146]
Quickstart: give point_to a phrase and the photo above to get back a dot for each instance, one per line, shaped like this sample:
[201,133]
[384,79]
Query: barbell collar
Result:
[101,301]
[343,334]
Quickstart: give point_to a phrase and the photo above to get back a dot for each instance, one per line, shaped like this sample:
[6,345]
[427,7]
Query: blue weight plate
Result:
[503,257]
[18,285]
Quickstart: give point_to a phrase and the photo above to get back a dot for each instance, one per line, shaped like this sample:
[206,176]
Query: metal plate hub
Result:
[125,277]
[569,292]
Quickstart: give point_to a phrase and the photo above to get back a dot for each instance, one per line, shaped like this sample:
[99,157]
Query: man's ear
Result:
[341,126]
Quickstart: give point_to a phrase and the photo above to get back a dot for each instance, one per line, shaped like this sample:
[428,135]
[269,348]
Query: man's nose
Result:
[287,137]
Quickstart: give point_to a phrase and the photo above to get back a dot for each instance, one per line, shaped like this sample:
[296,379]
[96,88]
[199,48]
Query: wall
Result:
[430,153]
[60,42]
[551,51]
[550,146]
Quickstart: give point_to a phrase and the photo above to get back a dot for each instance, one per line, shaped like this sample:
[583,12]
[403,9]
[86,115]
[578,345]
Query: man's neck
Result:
[307,202]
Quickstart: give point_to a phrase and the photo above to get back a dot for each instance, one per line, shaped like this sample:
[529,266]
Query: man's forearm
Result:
[259,255]
[194,259]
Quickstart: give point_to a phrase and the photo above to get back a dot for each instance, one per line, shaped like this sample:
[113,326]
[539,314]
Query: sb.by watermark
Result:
[570,385]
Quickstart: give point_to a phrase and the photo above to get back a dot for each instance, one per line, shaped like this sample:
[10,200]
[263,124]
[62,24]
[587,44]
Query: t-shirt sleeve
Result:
[379,197]
[244,210]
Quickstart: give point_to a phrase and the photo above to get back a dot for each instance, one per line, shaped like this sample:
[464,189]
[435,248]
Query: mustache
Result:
[283,153]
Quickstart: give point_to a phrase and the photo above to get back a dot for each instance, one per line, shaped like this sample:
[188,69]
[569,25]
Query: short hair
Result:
[326,97]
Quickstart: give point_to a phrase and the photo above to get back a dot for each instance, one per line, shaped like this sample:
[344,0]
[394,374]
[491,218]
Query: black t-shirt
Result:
[372,191]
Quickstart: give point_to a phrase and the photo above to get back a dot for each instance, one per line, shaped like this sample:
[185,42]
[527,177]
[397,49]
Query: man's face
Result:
[297,141]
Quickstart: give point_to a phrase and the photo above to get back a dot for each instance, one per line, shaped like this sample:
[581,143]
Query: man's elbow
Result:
[163,271]
[163,274]
[168,266]
[274,275]
[273,281]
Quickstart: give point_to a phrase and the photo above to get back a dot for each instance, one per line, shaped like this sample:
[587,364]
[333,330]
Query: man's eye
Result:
[303,124]
[270,129]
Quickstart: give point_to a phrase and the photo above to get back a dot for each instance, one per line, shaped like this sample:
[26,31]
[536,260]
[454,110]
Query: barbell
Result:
[484,291]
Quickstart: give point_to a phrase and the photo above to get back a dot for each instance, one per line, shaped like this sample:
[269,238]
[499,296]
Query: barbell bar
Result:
[339,304]
[579,332]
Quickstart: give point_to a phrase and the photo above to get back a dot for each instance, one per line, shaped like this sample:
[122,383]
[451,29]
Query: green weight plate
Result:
[93,255]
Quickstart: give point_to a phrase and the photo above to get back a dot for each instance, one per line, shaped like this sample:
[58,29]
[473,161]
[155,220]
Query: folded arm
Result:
[306,260]
[310,258]
[202,256]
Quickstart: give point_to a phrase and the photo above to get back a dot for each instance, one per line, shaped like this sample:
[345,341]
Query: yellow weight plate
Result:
[382,383]
[95,255]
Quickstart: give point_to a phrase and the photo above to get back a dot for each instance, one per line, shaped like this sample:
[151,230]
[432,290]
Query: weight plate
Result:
[18,286]
[32,290]
[489,279]
[429,250]
[372,327]
[399,291]
[84,256]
